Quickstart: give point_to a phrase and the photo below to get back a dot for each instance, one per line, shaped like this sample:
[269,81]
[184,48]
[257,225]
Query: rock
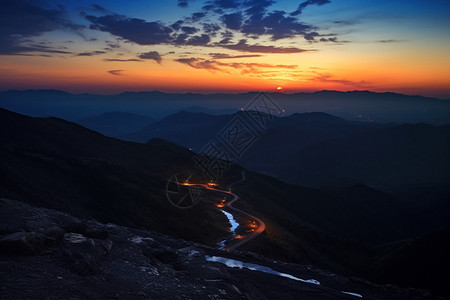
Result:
[97,234]
[56,233]
[81,263]
[165,255]
[22,243]
[75,227]
[85,255]
[75,238]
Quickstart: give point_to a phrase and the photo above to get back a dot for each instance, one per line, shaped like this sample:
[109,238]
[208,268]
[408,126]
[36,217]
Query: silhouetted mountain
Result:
[316,149]
[421,262]
[188,129]
[382,157]
[361,106]
[198,109]
[116,124]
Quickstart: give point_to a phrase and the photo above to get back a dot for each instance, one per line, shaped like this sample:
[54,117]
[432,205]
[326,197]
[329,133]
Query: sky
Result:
[107,47]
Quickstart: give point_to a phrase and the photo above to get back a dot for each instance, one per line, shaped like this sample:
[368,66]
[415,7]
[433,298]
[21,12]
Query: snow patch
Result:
[352,294]
[75,238]
[140,239]
[232,263]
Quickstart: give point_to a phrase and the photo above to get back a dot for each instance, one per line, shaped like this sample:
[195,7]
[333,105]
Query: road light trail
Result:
[260,224]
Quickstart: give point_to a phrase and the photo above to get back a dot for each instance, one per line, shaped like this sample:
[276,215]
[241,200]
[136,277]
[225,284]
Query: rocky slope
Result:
[46,254]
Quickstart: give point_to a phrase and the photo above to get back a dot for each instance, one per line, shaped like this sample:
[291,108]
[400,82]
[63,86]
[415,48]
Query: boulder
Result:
[22,243]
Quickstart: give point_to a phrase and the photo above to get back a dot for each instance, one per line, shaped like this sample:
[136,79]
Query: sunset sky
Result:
[106,47]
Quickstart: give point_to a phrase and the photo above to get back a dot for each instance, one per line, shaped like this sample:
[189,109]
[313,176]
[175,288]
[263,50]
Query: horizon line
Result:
[216,93]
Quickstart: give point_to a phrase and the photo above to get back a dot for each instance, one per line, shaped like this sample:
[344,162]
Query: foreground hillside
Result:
[48,254]
[57,164]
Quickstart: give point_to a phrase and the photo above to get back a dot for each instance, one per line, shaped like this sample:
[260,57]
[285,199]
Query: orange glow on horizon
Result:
[394,71]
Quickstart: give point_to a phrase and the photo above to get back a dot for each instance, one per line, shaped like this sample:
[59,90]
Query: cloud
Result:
[195,17]
[135,30]
[244,47]
[228,56]
[250,18]
[201,40]
[92,53]
[198,63]
[253,18]
[183,3]
[222,4]
[152,55]
[244,68]
[22,20]
[122,60]
[116,72]
[328,78]
[189,29]
[389,41]
[303,5]
[233,21]
[278,26]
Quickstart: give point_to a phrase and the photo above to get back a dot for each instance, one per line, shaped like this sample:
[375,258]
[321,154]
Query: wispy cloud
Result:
[122,60]
[116,72]
[243,68]
[152,55]
[92,53]
[256,48]
[228,56]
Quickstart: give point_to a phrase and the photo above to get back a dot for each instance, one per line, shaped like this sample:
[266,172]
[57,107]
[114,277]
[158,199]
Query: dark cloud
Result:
[251,18]
[152,55]
[227,56]
[197,16]
[202,40]
[346,22]
[22,20]
[92,53]
[183,3]
[389,41]
[116,72]
[122,60]
[113,45]
[280,26]
[257,7]
[177,25]
[132,29]
[226,4]
[244,47]
[211,29]
[307,3]
[232,21]
[189,29]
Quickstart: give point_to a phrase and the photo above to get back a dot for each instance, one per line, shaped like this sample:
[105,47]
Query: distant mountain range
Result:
[361,106]
[116,123]
[318,149]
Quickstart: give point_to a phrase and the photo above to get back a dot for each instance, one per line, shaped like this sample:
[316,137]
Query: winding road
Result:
[260,227]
